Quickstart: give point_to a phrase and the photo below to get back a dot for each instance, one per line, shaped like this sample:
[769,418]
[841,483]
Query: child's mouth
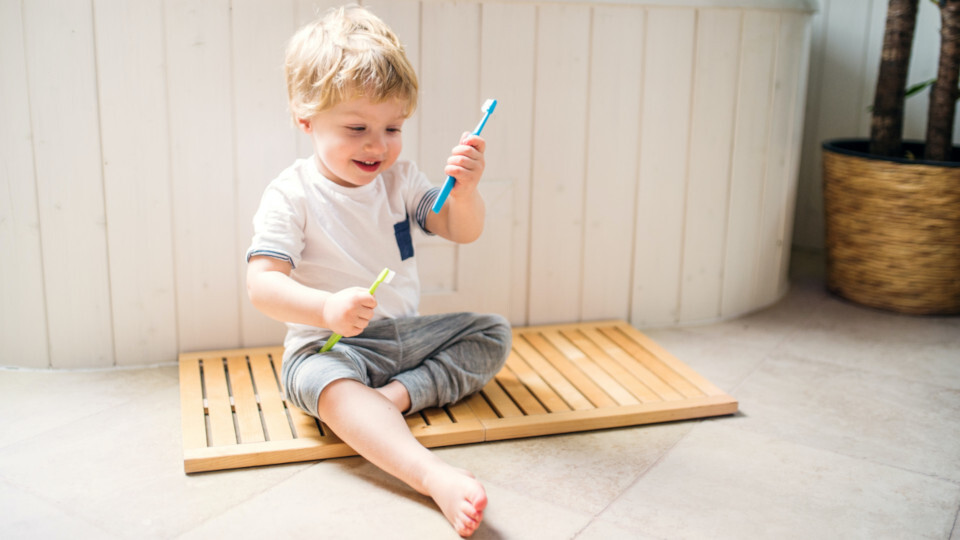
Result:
[368,166]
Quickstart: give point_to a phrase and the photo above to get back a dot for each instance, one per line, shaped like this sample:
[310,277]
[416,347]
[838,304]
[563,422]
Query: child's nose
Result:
[376,143]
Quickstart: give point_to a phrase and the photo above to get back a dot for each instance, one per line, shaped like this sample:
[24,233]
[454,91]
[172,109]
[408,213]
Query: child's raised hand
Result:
[349,311]
[466,163]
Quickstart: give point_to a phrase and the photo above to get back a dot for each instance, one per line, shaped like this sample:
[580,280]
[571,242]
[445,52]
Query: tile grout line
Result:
[641,474]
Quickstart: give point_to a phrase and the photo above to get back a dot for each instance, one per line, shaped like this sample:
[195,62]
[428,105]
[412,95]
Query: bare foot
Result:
[459,495]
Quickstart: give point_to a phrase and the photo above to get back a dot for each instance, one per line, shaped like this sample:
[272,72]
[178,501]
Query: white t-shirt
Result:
[337,237]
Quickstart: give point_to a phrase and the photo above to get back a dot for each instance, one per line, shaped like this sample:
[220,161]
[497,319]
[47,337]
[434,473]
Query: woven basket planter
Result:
[893,229]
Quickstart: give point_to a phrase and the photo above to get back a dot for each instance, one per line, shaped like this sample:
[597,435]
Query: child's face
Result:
[356,140]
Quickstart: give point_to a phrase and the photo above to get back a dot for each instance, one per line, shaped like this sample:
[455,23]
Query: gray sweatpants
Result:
[439,359]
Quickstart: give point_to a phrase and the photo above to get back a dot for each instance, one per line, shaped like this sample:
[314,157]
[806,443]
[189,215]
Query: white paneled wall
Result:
[641,164]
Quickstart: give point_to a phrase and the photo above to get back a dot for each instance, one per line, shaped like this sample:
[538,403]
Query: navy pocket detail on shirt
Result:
[404,241]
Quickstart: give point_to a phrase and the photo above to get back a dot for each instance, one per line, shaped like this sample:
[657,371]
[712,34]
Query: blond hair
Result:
[347,53]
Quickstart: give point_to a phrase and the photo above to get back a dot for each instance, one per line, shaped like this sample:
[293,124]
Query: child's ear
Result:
[304,124]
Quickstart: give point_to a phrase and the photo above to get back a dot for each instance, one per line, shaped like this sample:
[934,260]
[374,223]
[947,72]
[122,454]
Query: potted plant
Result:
[892,207]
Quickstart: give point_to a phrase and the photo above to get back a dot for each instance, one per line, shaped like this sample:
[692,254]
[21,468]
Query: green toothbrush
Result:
[385,277]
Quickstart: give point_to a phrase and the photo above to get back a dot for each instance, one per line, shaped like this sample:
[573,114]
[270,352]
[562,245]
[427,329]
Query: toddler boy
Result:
[332,222]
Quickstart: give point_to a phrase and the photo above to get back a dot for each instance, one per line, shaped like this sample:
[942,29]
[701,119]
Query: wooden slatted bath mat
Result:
[557,379]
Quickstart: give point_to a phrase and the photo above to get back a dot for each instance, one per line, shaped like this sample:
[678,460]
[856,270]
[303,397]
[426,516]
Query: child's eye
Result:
[356,128]
[393,130]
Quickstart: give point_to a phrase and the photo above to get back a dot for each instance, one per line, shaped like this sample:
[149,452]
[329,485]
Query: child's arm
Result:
[277,295]
[461,218]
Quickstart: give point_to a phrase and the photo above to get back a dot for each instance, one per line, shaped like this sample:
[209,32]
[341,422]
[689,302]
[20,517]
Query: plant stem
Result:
[943,94]
[886,129]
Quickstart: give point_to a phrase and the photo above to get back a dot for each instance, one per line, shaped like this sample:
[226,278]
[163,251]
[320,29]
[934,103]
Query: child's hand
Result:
[349,311]
[466,163]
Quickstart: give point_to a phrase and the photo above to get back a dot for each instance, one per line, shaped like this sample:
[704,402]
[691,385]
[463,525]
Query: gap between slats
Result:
[242,402]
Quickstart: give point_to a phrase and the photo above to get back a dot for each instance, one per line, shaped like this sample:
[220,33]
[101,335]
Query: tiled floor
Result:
[849,428]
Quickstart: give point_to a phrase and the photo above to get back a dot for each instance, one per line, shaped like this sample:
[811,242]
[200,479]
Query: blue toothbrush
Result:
[488,107]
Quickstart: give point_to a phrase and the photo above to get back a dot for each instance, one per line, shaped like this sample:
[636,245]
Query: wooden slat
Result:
[535,383]
[577,377]
[271,404]
[631,364]
[275,351]
[479,406]
[265,453]
[518,392]
[304,424]
[462,413]
[557,366]
[637,389]
[501,403]
[218,403]
[696,384]
[436,416]
[557,381]
[571,421]
[244,400]
[416,421]
[191,405]
[601,378]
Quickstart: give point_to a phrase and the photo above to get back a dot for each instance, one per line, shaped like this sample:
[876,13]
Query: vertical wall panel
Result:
[449,80]
[61,73]
[664,140]
[136,174]
[560,110]
[202,164]
[306,11]
[449,105]
[750,155]
[506,74]
[778,184]
[612,162]
[403,16]
[711,141]
[796,31]
[265,134]
[23,324]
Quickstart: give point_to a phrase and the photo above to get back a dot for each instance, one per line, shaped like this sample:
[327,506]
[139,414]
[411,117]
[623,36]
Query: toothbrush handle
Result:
[448,184]
[330,342]
[334,338]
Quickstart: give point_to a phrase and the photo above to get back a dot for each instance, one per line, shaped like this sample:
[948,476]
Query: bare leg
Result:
[372,425]
[397,393]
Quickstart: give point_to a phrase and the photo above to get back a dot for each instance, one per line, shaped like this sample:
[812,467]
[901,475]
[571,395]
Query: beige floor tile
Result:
[722,482]
[601,529]
[886,419]
[725,363]
[26,516]
[925,349]
[32,402]
[579,471]
[330,500]
[122,469]
[349,498]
